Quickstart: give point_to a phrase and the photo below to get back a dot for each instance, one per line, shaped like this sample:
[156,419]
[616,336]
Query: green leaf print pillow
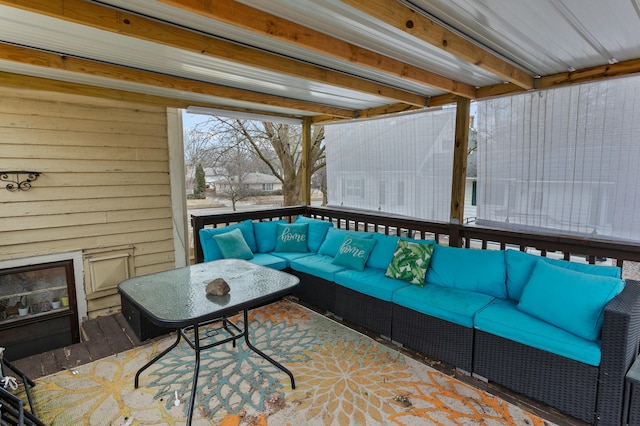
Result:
[410,262]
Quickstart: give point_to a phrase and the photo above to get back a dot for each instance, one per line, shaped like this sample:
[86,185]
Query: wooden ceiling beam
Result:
[265,24]
[601,72]
[42,59]
[425,29]
[132,25]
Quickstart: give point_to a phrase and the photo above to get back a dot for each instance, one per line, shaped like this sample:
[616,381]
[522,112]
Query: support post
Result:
[463,108]
[306,165]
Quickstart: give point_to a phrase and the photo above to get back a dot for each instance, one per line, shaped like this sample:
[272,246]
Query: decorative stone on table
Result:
[218,287]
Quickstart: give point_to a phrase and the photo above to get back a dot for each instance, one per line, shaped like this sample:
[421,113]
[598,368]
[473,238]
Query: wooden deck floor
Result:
[101,337]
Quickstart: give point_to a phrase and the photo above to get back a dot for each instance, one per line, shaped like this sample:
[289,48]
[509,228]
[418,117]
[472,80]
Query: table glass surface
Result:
[179,295]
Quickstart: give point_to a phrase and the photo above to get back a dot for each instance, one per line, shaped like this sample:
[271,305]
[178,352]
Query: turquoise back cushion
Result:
[265,233]
[210,247]
[469,269]
[571,300]
[382,252]
[520,266]
[354,252]
[232,245]
[317,231]
[292,237]
[334,239]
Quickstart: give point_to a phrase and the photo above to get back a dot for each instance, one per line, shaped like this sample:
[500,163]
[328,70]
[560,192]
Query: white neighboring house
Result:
[252,182]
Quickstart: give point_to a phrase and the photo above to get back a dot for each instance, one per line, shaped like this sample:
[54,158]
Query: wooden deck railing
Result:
[571,248]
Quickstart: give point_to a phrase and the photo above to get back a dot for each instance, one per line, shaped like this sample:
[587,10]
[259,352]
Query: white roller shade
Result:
[564,160]
[401,164]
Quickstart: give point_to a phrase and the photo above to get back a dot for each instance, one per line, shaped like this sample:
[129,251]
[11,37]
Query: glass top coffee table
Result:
[177,299]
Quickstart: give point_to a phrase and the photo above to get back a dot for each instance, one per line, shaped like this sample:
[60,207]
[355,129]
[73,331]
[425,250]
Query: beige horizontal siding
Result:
[104,182]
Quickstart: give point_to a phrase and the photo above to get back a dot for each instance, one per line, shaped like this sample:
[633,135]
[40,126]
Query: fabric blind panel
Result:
[401,164]
[565,160]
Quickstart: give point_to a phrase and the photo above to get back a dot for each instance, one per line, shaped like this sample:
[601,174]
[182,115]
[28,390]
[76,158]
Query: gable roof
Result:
[323,59]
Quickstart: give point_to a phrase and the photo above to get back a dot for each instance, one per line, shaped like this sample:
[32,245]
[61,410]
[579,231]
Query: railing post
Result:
[197,223]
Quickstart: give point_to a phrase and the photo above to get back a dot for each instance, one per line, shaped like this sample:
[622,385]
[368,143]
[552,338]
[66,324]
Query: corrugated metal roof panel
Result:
[348,24]
[43,32]
[547,36]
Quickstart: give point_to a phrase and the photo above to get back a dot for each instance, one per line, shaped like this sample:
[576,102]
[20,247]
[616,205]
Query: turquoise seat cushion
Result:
[290,256]
[269,260]
[292,237]
[265,234]
[520,266]
[354,252]
[447,303]
[317,231]
[334,239]
[469,269]
[232,245]
[571,300]
[502,318]
[210,248]
[317,265]
[371,282]
[382,253]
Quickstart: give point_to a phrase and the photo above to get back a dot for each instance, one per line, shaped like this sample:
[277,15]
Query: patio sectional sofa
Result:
[559,332]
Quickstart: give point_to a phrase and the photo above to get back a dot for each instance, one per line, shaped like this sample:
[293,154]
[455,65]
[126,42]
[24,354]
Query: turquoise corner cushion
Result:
[571,300]
[232,245]
[520,266]
[317,231]
[469,269]
[354,252]
[210,247]
[265,234]
[292,237]
[334,239]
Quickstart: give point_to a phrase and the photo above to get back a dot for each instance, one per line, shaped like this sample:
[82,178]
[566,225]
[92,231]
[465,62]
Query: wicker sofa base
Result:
[366,311]
[559,382]
[316,291]
[439,339]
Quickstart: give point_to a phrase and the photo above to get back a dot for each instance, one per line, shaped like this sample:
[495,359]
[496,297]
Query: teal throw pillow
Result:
[334,238]
[354,252]
[233,246]
[317,231]
[571,300]
[210,248]
[292,238]
[410,262]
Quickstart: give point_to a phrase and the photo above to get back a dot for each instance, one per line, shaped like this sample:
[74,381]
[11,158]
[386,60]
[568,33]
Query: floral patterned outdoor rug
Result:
[342,378]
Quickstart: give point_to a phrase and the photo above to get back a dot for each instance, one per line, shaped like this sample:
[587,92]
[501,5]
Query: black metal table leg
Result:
[192,399]
[157,357]
[262,354]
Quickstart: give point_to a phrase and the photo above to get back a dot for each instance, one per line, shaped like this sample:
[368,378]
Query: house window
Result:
[353,187]
[267,187]
[474,192]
